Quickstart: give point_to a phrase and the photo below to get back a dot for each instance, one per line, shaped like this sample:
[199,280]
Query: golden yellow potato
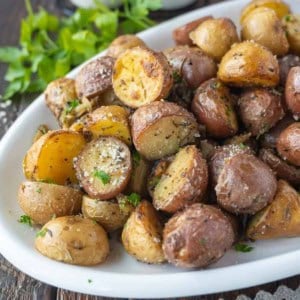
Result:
[280,8]
[73,240]
[215,37]
[279,219]
[264,27]
[43,201]
[291,24]
[249,64]
[142,235]
[111,214]
[50,158]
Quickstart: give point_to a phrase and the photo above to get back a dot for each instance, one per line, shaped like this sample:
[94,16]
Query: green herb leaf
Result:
[242,146]
[136,159]
[72,105]
[103,176]
[10,54]
[39,190]
[243,247]
[90,280]
[134,199]
[42,232]
[24,219]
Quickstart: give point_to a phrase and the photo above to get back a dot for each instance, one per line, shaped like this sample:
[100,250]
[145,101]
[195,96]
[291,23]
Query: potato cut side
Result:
[109,121]
[112,215]
[141,76]
[51,157]
[166,128]
[43,201]
[184,182]
[279,219]
[249,64]
[142,235]
[104,167]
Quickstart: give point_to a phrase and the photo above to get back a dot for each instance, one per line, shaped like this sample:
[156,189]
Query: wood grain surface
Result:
[13,283]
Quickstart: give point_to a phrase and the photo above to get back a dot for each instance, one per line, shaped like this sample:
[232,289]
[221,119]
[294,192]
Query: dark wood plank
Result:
[15,284]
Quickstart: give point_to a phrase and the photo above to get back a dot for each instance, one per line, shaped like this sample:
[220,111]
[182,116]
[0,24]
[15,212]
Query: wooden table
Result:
[13,283]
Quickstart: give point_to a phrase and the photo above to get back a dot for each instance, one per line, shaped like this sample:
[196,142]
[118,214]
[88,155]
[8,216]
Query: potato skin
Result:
[175,191]
[73,240]
[291,24]
[197,236]
[285,64]
[181,34]
[110,214]
[264,27]
[249,64]
[95,77]
[280,167]
[212,107]
[245,185]
[182,129]
[260,109]
[288,144]
[142,235]
[215,37]
[123,42]
[43,201]
[280,219]
[292,91]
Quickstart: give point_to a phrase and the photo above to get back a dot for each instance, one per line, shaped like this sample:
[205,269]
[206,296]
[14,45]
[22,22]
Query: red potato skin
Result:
[288,144]
[245,185]
[292,91]
[198,236]
[181,34]
[285,64]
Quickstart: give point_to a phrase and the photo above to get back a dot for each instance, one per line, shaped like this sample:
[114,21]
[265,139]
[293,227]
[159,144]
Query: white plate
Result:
[121,275]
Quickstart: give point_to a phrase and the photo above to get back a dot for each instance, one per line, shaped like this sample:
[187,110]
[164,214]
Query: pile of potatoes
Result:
[184,151]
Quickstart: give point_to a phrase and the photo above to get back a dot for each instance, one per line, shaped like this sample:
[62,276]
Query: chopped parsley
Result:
[103,176]
[47,180]
[215,85]
[72,105]
[134,199]
[136,159]
[42,232]
[242,146]
[24,219]
[39,190]
[243,247]
[287,18]
[90,280]
[176,77]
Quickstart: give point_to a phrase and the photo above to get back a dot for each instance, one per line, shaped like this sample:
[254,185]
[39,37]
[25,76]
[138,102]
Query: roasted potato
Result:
[73,240]
[285,64]
[212,106]
[260,109]
[215,37]
[243,140]
[280,167]
[183,183]
[50,158]
[263,26]
[43,201]
[190,65]
[94,78]
[123,42]
[245,185]
[181,35]
[279,219]
[111,214]
[103,167]
[198,236]
[142,235]
[279,7]
[249,64]
[166,128]
[42,129]
[291,25]
[288,144]
[292,91]
[109,120]
[141,76]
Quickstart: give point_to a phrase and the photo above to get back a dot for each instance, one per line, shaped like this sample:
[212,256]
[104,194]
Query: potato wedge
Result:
[73,240]
[249,64]
[279,219]
[166,128]
[111,214]
[279,7]
[43,201]
[183,183]
[109,120]
[141,76]
[142,235]
[103,168]
[50,158]
[291,24]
